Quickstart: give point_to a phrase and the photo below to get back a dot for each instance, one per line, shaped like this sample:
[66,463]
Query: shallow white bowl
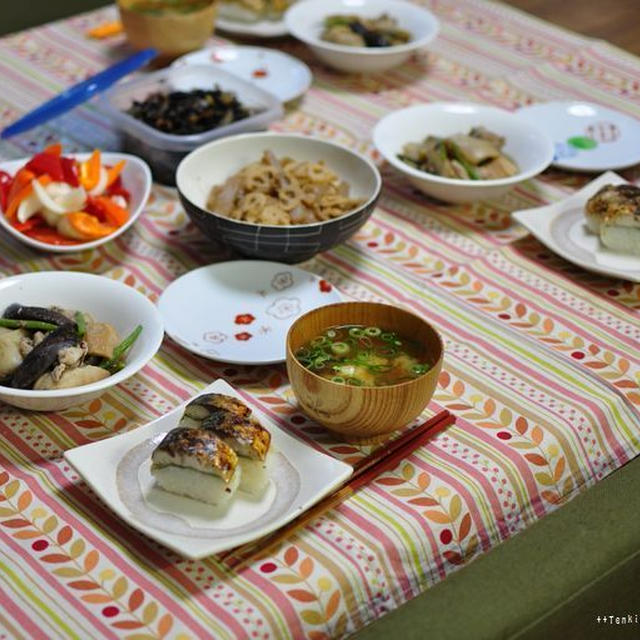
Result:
[530,147]
[136,177]
[106,300]
[305,21]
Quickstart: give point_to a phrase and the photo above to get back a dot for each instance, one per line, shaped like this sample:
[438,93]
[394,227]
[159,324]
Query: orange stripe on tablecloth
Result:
[116,527]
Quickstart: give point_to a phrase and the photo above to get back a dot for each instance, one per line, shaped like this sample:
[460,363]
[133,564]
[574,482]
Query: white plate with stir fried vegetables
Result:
[65,338]
[406,140]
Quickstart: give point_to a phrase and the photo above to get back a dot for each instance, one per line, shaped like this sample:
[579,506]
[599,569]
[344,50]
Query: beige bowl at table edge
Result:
[362,414]
[172,34]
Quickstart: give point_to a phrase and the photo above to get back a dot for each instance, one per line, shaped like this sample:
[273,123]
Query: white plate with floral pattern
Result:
[240,311]
[284,76]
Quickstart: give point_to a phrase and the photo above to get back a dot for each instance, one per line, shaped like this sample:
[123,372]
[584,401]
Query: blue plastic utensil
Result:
[79,93]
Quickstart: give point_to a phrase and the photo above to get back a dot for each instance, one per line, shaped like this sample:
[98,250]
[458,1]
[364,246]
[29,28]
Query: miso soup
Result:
[364,356]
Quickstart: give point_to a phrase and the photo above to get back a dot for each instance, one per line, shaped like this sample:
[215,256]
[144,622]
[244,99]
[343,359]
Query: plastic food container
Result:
[164,151]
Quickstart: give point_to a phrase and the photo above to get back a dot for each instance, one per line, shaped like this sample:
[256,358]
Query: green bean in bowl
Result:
[48,348]
[477,155]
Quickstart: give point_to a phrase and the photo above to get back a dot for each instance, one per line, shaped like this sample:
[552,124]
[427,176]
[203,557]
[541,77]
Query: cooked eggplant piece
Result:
[43,357]
[41,314]
[484,134]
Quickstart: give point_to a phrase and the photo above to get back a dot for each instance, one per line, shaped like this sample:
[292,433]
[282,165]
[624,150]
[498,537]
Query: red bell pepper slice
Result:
[70,171]
[49,235]
[46,163]
[5,184]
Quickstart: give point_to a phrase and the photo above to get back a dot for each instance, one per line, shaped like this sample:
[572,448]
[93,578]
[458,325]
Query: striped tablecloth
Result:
[542,366]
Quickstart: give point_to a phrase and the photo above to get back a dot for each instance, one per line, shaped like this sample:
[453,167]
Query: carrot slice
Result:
[90,171]
[105,30]
[114,172]
[88,226]
[25,192]
[54,149]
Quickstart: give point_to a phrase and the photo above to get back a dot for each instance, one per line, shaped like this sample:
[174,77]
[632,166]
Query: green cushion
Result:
[550,581]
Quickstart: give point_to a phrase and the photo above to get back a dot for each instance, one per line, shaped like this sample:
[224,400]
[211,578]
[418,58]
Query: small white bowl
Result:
[136,178]
[305,21]
[531,148]
[106,300]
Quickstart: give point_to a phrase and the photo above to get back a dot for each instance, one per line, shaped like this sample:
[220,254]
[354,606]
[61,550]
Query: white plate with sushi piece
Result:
[563,228]
[284,76]
[245,477]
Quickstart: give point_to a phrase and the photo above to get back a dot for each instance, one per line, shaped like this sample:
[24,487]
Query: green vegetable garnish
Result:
[80,324]
[35,325]
[115,362]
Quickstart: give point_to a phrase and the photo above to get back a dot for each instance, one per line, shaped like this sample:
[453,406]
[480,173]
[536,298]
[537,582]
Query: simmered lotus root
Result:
[282,191]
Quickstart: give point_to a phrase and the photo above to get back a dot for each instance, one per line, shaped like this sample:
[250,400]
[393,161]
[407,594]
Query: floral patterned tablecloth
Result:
[542,366]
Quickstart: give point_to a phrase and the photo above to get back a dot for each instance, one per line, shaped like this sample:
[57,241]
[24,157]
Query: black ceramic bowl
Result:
[213,163]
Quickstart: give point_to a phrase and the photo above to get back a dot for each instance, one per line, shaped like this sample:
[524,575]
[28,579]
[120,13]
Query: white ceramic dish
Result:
[257,29]
[284,76]
[202,169]
[241,311]
[136,177]
[106,300]
[562,227]
[305,21]
[118,470]
[526,144]
[587,137]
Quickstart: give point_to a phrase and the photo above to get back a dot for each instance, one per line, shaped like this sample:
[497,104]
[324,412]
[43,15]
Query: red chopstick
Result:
[384,458]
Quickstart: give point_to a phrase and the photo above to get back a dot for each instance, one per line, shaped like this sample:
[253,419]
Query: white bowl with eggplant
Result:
[462,151]
[65,338]
[362,36]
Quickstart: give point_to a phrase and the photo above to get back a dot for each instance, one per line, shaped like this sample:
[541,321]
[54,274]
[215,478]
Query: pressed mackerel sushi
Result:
[197,464]
[231,420]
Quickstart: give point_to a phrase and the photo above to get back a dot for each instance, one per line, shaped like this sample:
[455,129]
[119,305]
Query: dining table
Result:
[542,364]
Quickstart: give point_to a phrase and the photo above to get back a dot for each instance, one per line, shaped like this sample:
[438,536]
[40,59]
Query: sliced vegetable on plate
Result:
[60,200]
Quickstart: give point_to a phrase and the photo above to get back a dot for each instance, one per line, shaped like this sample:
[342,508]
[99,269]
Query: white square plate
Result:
[118,470]
[562,227]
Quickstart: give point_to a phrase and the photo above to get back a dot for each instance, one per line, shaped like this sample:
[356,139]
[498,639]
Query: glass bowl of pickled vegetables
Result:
[63,203]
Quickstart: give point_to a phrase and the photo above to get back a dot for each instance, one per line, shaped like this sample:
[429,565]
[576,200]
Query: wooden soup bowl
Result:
[170,32]
[362,414]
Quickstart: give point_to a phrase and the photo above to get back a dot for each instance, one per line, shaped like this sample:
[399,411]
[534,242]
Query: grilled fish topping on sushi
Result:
[231,421]
[198,450]
[615,205]
[196,464]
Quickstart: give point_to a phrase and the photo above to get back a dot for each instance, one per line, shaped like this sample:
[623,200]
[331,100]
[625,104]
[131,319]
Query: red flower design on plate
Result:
[260,73]
[245,335]
[325,286]
[244,318]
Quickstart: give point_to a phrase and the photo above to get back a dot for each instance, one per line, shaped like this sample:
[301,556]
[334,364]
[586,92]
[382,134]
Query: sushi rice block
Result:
[232,422]
[197,464]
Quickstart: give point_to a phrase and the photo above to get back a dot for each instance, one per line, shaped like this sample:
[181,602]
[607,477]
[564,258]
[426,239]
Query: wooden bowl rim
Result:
[365,389]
